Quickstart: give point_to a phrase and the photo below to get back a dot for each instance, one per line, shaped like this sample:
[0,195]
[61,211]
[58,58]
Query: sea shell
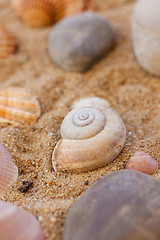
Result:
[8,44]
[18,106]
[123,205]
[18,224]
[38,13]
[142,162]
[8,170]
[92,136]
[97,102]
[146,34]
[74,7]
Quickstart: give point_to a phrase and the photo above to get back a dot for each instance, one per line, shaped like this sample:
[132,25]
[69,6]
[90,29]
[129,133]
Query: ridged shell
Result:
[39,13]
[18,106]
[92,136]
[18,224]
[142,162]
[8,44]
[8,170]
[74,7]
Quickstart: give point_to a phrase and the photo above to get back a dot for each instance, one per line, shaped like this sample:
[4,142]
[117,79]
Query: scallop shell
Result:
[8,170]
[39,13]
[142,162]
[8,44]
[92,136]
[74,7]
[18,224]
[18,106]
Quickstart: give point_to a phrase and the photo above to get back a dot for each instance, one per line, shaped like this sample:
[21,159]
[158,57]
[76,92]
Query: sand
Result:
[131,91]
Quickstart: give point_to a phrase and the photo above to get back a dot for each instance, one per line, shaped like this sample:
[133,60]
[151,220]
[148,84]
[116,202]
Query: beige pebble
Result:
[142,162]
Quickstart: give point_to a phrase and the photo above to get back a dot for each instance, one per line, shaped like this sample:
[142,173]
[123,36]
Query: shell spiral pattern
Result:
[93,135]
[8,170]
[18,106]
[8,44]
[18,224]
[83,123]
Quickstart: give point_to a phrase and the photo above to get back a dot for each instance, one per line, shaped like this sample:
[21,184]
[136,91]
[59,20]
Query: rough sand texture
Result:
[132,92]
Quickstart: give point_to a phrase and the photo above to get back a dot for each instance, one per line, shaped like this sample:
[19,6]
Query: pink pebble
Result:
[142,162]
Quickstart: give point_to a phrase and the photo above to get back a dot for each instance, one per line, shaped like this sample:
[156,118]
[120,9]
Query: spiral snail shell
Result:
[93,135]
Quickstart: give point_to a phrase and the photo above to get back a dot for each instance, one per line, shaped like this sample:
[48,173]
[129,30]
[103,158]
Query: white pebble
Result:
[146,34]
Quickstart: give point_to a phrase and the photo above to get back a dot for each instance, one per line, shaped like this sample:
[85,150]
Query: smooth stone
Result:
[78,42]
[124,205]
[142,162]
[146,34]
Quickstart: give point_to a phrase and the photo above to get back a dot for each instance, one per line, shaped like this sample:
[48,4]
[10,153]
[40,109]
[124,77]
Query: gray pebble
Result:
[78,42]
[124,205]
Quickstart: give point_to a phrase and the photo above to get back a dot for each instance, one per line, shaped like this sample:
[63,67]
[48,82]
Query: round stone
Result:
[146,35]
[77,42]
[122,205]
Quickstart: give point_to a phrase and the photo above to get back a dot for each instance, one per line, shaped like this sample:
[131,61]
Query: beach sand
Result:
[132,92]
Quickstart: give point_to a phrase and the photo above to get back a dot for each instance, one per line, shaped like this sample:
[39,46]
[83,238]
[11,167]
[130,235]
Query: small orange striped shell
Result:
[8,44]
[18,106]
[39,13]
[8,170]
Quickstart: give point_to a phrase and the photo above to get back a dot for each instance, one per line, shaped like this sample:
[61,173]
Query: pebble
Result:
[78,42]
[122,205]
[86,183]
[142,162]
[146,35]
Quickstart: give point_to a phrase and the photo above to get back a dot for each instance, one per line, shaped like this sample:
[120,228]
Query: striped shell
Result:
[39,13]
[18,106]
[8,44]
[142,162]
[8,170]
[74,7]
[18,224]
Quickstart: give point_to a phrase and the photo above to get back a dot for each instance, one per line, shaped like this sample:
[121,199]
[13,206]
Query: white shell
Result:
[94,102]
[146,34]
[18,224]
[89,142]
[82,123]
[8,170]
